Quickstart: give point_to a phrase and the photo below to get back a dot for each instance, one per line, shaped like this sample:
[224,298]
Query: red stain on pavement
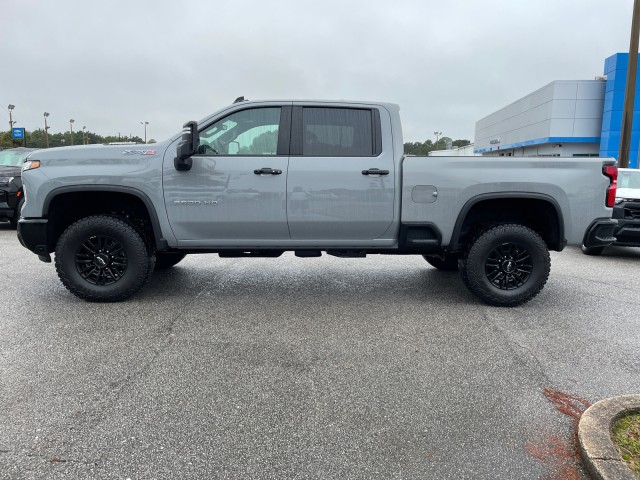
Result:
[561,455]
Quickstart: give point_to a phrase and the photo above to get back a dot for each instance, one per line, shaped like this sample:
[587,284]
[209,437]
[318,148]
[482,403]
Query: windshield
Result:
[13,158]
[629,179]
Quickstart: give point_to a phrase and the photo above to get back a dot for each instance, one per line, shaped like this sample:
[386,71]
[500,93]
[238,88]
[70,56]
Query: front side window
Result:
[337,132]
[248,132]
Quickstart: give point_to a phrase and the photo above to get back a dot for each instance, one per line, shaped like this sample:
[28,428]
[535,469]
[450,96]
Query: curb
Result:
[594,434]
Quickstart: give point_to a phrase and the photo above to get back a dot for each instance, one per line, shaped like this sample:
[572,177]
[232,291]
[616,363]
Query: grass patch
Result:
[626,437]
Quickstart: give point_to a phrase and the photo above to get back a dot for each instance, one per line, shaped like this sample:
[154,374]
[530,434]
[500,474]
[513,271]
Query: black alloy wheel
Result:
[101,260]
[508,266]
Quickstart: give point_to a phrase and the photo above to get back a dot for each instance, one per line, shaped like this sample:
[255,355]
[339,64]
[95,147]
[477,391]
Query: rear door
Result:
[235,192]
[341,181]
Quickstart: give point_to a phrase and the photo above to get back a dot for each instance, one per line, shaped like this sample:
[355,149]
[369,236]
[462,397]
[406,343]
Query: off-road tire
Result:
[166,260]
[16,214]
[448,264]
[140,260]
[594,251]
[480,265]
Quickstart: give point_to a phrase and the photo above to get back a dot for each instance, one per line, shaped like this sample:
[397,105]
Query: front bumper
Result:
[32,233]
[600,233]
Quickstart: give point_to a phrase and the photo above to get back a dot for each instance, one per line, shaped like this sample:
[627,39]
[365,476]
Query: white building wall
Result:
[562,112]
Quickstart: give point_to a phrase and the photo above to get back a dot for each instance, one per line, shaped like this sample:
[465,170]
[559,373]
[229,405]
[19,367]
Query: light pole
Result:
[84,135]
[71,128]
[46,130]
[145,130]
[11,122]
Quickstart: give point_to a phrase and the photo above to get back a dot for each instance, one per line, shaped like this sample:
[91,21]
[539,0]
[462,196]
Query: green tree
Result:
[461,143]
[36,139]
[423,148]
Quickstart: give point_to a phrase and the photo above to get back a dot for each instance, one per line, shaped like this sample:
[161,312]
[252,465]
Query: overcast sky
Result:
[112,64]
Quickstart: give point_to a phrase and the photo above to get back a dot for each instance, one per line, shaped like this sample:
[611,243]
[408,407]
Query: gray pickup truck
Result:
[259,178]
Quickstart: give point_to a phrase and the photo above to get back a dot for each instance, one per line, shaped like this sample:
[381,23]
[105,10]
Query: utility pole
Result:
[145,130]
[46,130]
[84,135]
[629,94]
[71,127]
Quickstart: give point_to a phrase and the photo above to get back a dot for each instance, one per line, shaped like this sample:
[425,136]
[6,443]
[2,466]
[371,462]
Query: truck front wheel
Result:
[506,265]
[102,259]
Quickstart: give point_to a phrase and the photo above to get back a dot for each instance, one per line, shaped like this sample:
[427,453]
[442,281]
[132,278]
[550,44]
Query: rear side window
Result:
[337,132]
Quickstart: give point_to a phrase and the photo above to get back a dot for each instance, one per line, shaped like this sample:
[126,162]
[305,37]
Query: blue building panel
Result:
[615,68]
[617,80]
[614,100]
[619,61]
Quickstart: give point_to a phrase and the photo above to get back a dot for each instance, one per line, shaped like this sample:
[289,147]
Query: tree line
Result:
[36,139]
[423,148]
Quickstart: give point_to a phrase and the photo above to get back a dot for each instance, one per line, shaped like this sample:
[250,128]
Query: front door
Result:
[235,192]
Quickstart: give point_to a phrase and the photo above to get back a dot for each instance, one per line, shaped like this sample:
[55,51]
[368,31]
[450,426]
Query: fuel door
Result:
[424,194]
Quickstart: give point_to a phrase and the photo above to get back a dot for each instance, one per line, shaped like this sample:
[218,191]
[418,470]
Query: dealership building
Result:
[568,118]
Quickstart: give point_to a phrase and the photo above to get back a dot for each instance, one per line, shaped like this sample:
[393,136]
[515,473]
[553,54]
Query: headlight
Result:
[30,165]
[5,180]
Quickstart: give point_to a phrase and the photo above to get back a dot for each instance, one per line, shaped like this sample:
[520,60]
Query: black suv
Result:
[11,194]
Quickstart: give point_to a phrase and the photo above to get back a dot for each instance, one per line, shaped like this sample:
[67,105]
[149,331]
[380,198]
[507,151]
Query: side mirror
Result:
[187,147]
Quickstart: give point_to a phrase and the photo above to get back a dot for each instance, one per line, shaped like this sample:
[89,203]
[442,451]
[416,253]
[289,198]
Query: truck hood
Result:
[628,193]
[93,153]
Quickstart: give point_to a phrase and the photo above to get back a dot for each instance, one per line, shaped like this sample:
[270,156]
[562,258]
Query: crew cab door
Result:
[341,181]
[234,194]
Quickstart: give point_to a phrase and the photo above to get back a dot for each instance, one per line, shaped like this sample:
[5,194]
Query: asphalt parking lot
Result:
[307,368]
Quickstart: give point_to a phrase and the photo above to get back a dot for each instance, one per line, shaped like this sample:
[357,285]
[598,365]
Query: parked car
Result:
[11,193]
[626,210]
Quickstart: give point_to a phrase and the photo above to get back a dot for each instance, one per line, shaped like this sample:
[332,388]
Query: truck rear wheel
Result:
[102,259]
[166,260]
[507,265]
[447,264]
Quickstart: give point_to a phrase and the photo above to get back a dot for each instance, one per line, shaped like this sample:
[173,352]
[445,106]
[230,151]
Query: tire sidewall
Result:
[134,248]
[524,237]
